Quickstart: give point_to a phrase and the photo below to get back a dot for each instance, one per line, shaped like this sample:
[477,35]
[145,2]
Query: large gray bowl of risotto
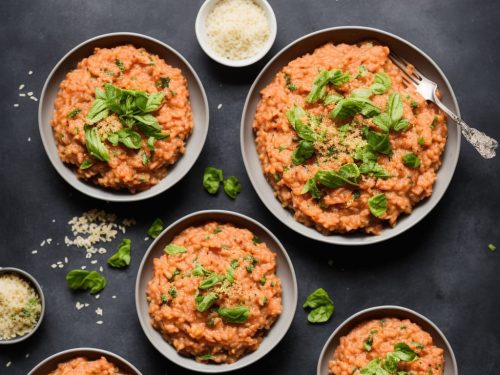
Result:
[123,117]
[215,292]
[386,340]
[83,360]
[338,147]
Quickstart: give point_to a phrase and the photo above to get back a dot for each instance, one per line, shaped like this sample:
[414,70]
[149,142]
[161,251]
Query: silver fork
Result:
[484,144]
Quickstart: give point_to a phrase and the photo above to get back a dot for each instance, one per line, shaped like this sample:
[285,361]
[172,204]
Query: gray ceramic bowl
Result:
[285,272]
[199,105]
[25,275]
[50,364]
[380,312]
[307,44]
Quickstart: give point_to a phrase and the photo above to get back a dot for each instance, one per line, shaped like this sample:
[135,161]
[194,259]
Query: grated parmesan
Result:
[237,29]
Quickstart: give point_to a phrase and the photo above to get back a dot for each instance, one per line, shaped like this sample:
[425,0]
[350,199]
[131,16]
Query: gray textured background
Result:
[441,268]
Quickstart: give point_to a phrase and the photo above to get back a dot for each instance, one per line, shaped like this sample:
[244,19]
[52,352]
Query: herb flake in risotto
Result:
[344,143]
[204,300]
[122,117]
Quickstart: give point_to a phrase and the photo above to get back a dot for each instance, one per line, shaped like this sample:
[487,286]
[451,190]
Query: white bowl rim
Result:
[384,307]
[25,275]
[204,368]
[200,28]
[106,353]
[301,228]
[110,194]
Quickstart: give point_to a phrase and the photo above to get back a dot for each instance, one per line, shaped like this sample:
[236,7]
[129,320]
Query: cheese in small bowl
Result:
[236,32]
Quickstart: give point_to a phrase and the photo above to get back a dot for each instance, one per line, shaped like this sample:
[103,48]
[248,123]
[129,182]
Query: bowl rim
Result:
[114,196]
[147,328]
[335,238]
[385,307]
[25,275]
[106,353]
[200,28]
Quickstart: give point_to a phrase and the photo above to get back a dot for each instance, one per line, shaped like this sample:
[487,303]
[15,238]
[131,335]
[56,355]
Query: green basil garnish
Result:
[203,303]
[389,364]
[232,187]
[205,357]
[361,93]
[199,270]
[237,315]
[395,107]
[378,205]
[164,82]
[173,249]
[156,228]
[368,343]
[173,292]
[404,352]
[334,77]
[381,83]
[127,137]
[411,160]
[122,256]
[94,144]
[321,304]
[211,281]
[348,107]
[332,98]
[119,64]
[288,82]
[212,178]
[295,116]
[373,169]
[74,112]
[312,188]
[86,164]
[303,152]
[378,142]
[86,280]
[255,240]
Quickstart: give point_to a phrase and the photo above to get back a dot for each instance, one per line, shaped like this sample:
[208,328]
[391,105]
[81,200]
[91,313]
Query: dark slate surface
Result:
[442,267]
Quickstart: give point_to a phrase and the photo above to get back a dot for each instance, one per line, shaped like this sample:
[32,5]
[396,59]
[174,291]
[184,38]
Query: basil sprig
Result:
[381,83]
[334,77]
[321,304]
[346,175]
[122,256]
[389,364]
[237,315]
[86,280]
[392,118]
[127,137]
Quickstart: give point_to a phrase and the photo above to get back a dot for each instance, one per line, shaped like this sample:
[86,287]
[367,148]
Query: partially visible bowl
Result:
[284,271]
[307,44]
[31,280]
[380,312]
[198,99]
[50,364]
[201,34]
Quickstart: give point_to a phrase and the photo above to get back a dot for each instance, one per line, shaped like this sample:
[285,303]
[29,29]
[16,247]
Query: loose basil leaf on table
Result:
[232,187]
[212,177]
[156,228]
[321,304]
[85,280]
[122,256]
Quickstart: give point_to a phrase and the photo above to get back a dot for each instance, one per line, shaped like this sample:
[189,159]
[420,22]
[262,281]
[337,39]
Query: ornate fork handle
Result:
[483,143]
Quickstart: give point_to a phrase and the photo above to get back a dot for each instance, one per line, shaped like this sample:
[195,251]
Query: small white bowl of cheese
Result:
[236,33]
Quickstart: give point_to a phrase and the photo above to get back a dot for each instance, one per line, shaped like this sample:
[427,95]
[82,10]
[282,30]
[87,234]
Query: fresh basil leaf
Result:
[234,263]
[365,154]
[122,256]
[232,187]
[381,83]
[230,275]
[144,157]
[255,240]
[395,107]
[378,205]
[404,352]
[94,144]
[383,121]
[156,228]
[203,303]
[317,298]
[199,270]
[374,368]
[289,83]
[304,151]
[320,314]
[86,280]
[211,281]
[127,137]
[348,107]
[295,116]
[368,343]
[390,363]
[411,160]
[113,97]
[361,71]
[374,169]
[154,101]
[173,292]
[361,93]
[173,249]
[332,98]
[151,143]
[237,315]
[86,164]
[401,125]
[212,178]
[119,64]
[347,174]
[98,111]
[205,357]
[312,188]
[321,305]
[164,82]
[74,112]
[318,90]
[378,142]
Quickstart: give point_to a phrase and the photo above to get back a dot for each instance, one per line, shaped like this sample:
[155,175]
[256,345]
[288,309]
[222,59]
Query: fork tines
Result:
[415,77]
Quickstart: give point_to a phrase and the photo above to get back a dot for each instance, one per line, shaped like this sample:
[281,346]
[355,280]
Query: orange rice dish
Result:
[214,293]
[390,345]
[122,117]
[344,143]
[82,366]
